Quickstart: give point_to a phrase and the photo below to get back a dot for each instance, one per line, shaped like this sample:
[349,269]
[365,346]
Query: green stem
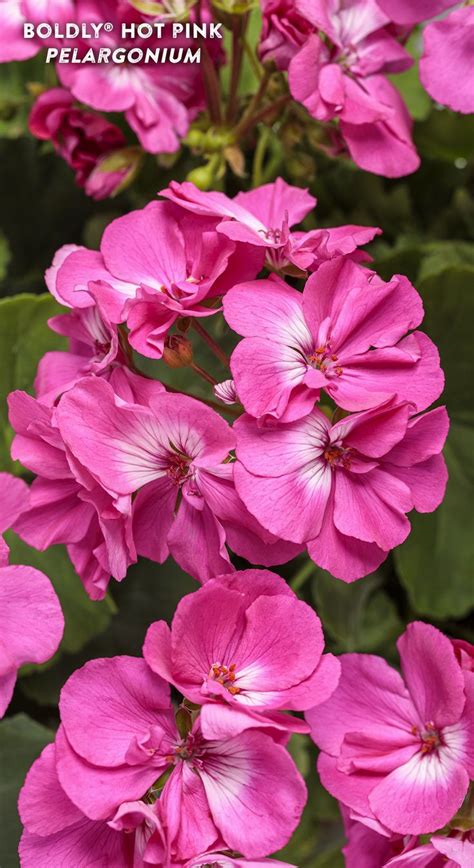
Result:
[212,344]
[222,408]
[202,373]
[211,84]
[252,59]
[300,577]
[259,156]
[238,30]
[248,123]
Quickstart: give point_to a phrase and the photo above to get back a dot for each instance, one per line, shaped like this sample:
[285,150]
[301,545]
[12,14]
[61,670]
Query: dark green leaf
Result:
[435,562]
[21,742]
[359,616]
[24,338]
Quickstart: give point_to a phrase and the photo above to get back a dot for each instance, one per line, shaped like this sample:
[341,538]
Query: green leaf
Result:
[84,618]
[445,136]
[24,339]
[21,742]
[435,562]
[449,313]
[358,616]
[413,93]
[5,255]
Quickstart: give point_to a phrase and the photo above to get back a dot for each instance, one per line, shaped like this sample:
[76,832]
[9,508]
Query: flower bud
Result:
[178,352]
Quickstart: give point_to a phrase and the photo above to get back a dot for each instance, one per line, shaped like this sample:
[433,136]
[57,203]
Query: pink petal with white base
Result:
[255,794]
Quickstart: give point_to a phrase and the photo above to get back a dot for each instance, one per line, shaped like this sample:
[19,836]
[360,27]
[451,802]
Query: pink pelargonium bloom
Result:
[14,13]
[118,737]
[371,845]
[453,852]
[155,265]
[175,453]
[66,504]
[263,218]
[159,100]
[80,137]
[446,65]
[284,31]
[344,80]
[400,750]
[343,489]
[95,349]
[57,833]
[263,655]
[297,344]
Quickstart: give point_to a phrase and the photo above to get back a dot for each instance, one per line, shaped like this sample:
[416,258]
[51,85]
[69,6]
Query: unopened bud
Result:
[202,177]
[178,352]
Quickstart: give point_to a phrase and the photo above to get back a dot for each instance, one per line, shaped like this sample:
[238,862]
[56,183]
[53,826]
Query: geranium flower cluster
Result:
[337,57]
[398,752]
[132,781]
[333,448]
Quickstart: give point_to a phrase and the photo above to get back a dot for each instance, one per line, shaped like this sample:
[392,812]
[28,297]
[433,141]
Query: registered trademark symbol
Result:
[108,26]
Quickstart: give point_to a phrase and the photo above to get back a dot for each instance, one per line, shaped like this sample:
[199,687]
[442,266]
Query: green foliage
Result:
[24,339]
[357,617]
[21,742]
[435,562]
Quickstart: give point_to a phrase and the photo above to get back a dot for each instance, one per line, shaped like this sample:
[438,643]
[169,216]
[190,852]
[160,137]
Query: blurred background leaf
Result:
[21,742]
[24,339]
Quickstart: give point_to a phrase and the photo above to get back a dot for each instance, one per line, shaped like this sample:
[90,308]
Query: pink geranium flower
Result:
[263,655]
[400,750]
[155,265]
[297,344]
[342,77]
[370,845]
[95,349]
[57,833]
[175,453]
[343,489]
[284,31]
[66,504]
[453,852]
[14,13]
[263,218]
[83,139]
[118,737]
[159,100]
[31,620]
